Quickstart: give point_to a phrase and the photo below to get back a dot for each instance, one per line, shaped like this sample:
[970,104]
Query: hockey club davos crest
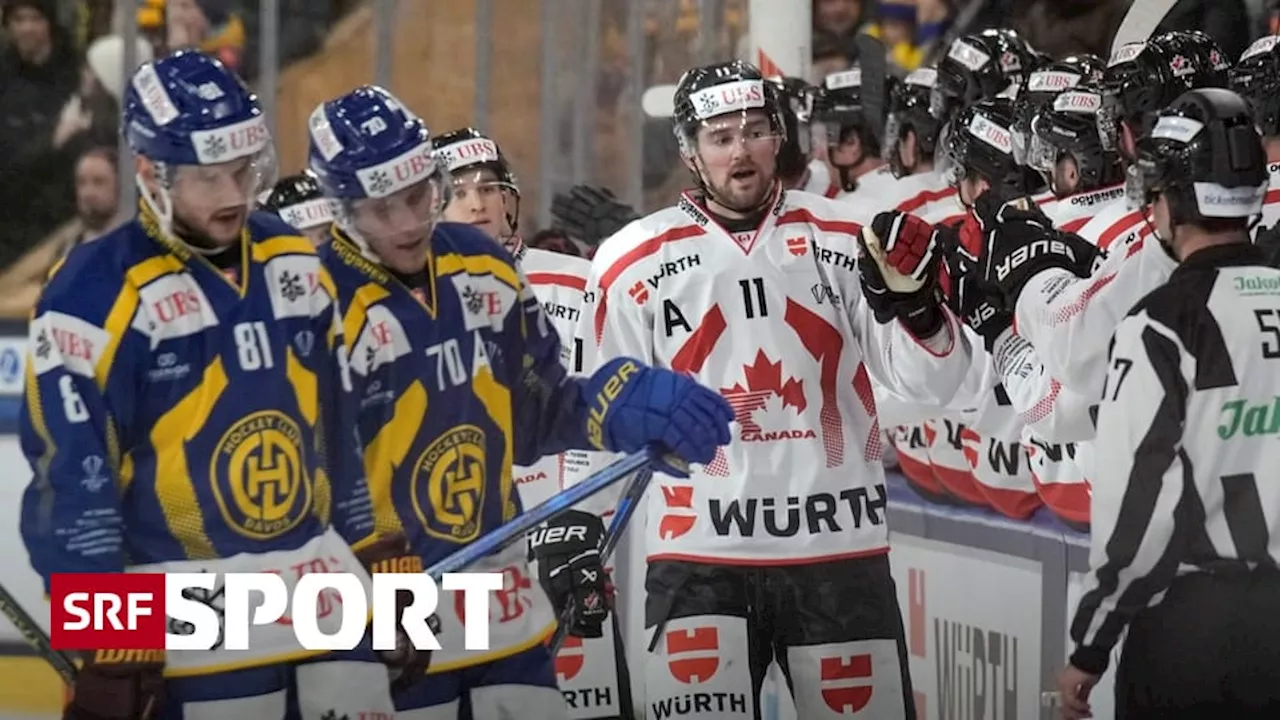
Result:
[259,475]
[448,484]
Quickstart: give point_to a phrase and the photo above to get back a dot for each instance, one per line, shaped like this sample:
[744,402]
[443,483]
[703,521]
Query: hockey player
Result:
[1043,85]
[777,548]
[459,377]
[298,201]
[796,167]
[185,410]
[853,150]
[1257,78]
[1185,540]
[1068,319]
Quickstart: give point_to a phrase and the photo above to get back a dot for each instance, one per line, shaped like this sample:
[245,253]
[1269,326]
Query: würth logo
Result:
[693,655]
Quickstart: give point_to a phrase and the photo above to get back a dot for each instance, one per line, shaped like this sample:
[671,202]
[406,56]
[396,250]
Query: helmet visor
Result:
[403,217]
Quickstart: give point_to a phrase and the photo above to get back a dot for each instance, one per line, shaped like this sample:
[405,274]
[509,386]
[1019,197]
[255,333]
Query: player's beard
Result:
[744,189]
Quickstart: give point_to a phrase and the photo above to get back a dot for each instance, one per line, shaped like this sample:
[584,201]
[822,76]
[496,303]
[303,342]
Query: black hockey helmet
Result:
[469,150]
[980,144]
[796,101]
[1141,79]
[1257,78]
[839,107]
[1205,156]
[299,201]
[713,91]
[1067,130]
[909,111]
[1045,82]
[981,66]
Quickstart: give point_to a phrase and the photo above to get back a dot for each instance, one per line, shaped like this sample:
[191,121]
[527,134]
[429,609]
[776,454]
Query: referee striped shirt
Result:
[1188,424]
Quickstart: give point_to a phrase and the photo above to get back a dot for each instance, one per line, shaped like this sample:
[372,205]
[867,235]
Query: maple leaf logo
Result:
[765,390]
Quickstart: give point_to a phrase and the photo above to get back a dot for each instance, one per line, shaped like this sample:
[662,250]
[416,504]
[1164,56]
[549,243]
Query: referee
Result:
[1186,498]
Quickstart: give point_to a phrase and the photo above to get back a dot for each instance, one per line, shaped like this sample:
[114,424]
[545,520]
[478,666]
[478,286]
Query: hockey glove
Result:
[1268,241]
[972,299]
[569,568]
[116,685]
[631,405]
[899,271]
[590,213]
[1020,242]
[391,554]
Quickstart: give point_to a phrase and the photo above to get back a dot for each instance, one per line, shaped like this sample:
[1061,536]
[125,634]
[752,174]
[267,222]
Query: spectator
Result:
[208,25]
[37,75]
[97,212]
[91,117]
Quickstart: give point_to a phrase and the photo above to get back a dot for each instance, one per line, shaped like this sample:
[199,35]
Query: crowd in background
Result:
[62,63]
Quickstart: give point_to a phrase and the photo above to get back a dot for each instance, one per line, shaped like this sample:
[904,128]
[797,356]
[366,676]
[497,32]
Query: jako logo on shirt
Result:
[136,611]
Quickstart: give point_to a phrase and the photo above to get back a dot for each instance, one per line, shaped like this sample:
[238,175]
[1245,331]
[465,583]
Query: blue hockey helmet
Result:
[375,158]
[367,144]
[189,109]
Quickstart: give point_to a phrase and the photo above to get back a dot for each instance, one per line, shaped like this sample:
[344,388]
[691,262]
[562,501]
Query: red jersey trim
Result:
[801,215]
[561,279]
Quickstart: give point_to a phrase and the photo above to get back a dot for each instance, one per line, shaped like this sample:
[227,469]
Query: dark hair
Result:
[106,152]
[560,242]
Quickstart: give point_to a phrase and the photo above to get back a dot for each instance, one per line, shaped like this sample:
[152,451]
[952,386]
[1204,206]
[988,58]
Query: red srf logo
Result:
[106,611]
[570,659]
[693,655]
[838,692]
[797,246]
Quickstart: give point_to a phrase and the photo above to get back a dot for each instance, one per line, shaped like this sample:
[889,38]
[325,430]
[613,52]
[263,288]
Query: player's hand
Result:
[632,405]
[590,213]
[898,269]
[972,299]
[1019,242]
[107,689]
[568,553]
[392,554]
[1074,686]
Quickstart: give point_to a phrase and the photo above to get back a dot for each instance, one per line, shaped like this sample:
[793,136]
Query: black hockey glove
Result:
[971,299]
[391,554]
[590,213]
[118,686]
[568,553]
[898,268]
[1021,242]
[1268,241]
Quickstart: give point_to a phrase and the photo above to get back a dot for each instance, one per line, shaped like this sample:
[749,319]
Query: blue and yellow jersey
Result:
[457,381]
[174,411]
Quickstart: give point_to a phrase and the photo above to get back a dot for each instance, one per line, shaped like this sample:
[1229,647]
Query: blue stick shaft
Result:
[528,520]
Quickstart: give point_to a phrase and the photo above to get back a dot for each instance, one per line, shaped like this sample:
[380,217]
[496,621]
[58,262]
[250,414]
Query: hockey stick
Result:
[875,70]
[621,518]
[36,636]
[1141,20]
[553,506]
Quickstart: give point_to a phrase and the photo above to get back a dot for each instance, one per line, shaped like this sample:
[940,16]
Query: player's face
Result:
[1065,179]
[211,202]
[737,158]
[317,234]
[479,199]
[398,227]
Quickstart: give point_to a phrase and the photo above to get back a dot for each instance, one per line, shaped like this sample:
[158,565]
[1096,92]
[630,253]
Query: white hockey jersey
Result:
[558,281]
[819,180]
[776,321]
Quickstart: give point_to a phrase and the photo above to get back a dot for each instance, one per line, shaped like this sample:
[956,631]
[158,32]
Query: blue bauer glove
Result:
[632,405]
